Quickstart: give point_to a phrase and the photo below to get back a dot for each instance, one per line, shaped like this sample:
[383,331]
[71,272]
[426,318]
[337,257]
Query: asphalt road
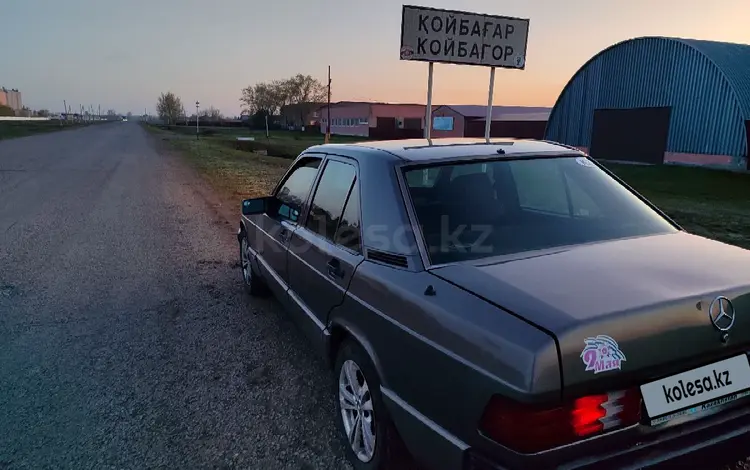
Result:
[126,340]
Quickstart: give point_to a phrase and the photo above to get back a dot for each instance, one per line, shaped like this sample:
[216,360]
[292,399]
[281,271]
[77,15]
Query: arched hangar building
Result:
[659,100]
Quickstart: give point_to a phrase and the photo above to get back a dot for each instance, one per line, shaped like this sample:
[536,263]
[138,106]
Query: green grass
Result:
[236,174]
[711,203]
[13,129]
[278,143]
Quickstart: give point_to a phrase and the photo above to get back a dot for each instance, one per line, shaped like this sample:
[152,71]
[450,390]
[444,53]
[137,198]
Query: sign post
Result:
[428,112]
[328,109]
[197,119]
[488,121]
[458,37]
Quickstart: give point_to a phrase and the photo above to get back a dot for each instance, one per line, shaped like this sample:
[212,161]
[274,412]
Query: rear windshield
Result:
[500,207]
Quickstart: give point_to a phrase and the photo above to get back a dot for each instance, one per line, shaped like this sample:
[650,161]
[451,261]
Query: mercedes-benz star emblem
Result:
[721,313]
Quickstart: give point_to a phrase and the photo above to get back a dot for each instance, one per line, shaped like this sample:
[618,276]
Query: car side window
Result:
[347,234]
[328,203]
[293,192]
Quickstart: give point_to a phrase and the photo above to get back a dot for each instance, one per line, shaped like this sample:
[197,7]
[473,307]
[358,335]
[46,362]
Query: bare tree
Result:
[168,106]
[262,97]
[271,96]
[304,89]
[212,114]
[305,94]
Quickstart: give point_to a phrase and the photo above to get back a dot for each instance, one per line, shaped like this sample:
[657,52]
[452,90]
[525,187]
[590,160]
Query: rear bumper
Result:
[710,442]
[712,454]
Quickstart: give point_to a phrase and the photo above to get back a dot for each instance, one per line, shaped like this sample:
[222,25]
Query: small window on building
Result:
[442,123]
[363,122]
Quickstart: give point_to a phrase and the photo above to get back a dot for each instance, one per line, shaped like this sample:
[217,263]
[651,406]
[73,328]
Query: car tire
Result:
[388,451]
[254,284]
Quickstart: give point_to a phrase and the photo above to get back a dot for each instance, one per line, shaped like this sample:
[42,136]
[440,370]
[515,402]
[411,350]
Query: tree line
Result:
[170,109]
[260,99]
[270,97]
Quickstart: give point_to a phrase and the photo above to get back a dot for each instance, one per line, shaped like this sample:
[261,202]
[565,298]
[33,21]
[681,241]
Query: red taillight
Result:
[529,429]
[586,414]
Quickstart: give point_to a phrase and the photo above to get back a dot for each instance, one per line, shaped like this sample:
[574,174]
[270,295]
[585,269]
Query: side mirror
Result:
[258,205]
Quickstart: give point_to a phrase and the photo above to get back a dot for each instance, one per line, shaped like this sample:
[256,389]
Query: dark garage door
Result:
[633,135]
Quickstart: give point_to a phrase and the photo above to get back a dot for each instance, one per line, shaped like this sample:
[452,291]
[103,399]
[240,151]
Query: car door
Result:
[276,228]
[325,252]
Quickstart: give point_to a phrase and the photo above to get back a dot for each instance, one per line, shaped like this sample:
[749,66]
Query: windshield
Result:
[500,207]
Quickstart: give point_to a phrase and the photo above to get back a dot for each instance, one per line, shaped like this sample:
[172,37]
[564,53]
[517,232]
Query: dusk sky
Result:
[122,54]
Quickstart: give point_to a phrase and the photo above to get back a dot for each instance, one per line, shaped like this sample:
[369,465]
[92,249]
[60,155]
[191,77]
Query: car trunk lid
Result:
[651,295]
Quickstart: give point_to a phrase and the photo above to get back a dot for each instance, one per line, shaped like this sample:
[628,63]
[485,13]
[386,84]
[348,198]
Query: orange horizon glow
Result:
[210,53]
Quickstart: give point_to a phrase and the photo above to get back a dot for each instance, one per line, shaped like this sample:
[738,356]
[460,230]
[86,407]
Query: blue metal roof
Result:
[733,60]
[706,83]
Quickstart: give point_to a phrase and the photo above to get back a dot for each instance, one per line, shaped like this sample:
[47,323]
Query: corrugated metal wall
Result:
[734,62]
[645,72]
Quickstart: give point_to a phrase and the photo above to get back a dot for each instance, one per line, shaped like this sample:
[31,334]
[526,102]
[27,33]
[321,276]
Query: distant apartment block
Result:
[11,98]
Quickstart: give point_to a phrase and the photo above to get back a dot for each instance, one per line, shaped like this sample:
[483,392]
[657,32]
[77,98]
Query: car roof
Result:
[415,150]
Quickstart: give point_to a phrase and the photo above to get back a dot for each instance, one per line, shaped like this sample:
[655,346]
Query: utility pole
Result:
[197,118]
[328,108]
[65,111]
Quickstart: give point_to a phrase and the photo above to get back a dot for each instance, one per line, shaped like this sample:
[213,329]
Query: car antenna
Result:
[430,290]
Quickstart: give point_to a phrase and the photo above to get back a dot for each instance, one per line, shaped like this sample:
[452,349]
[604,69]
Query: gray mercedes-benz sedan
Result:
[509,304]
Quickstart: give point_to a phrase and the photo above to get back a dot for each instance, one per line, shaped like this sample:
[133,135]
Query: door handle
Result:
[334,268]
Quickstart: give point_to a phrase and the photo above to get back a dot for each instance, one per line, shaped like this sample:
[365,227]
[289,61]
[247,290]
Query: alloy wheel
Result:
[247,268]
[356,411]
